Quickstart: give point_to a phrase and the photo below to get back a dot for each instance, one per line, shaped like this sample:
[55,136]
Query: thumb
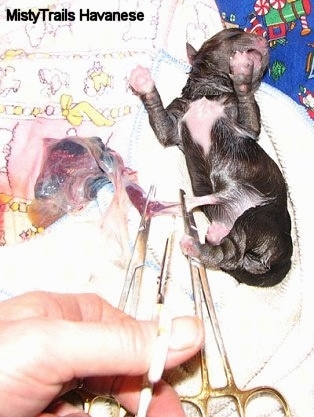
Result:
[122,347]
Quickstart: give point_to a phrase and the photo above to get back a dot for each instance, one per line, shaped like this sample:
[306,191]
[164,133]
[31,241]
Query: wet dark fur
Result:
[258,249]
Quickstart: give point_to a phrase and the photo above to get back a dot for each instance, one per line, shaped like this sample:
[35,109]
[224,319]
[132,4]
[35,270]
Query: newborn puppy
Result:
[216,123]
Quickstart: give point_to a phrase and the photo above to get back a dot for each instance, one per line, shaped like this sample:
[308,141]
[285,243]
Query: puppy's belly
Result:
[200,118]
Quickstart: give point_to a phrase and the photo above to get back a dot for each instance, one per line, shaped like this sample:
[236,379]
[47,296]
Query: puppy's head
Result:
[215,53]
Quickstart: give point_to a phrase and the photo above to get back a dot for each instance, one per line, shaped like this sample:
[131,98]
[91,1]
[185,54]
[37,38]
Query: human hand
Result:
[50,341]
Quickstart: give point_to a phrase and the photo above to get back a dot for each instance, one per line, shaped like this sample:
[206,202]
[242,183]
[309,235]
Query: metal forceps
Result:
[134,276]
[107,405]
[135,268]
[207,393]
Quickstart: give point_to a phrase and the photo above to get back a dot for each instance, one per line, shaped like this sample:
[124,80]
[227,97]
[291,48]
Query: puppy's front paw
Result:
[141,81]
[189,246]
[241,71]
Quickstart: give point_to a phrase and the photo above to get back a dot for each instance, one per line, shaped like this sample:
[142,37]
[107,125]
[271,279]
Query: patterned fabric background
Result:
[289,27]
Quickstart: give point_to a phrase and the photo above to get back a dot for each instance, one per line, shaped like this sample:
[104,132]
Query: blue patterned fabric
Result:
[289,27]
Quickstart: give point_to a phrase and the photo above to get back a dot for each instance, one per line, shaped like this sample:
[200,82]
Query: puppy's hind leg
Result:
[213,256]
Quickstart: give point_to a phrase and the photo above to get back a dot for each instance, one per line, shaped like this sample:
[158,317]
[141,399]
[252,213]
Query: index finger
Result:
[74,307]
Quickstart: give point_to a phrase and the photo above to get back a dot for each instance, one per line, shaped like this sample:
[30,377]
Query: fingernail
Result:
[186,332]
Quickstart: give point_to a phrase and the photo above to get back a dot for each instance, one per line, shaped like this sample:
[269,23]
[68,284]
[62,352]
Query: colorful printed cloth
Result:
[289,27]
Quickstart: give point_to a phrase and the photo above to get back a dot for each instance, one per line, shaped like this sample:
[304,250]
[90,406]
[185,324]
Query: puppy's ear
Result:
[191,52]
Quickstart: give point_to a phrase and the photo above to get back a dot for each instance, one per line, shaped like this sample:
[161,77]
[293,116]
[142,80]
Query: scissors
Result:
[201,290]
[94,405]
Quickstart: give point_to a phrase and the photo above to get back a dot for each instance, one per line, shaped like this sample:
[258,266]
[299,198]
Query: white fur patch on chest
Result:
[200,118]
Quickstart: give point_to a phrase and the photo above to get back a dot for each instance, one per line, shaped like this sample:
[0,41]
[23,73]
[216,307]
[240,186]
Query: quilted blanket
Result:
[67,75]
